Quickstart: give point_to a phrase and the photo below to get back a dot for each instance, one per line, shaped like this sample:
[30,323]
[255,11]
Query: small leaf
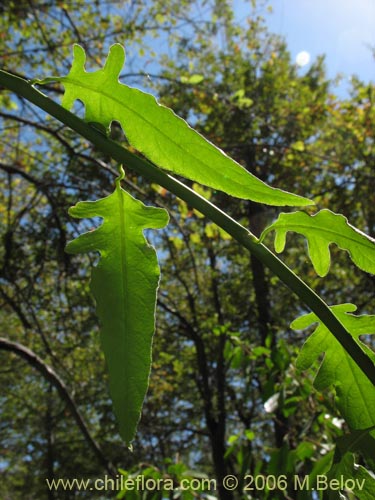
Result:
[355,393]
[250,435]
[160,135]
[298,146]
[241,100]
[192,80]
[320,231]
[124,284]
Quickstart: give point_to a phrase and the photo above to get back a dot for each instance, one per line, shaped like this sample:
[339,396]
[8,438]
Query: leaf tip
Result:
[115,60]
[306,202]
[79,55]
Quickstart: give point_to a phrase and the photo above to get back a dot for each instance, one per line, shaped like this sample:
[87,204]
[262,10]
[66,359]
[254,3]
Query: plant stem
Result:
[236,230]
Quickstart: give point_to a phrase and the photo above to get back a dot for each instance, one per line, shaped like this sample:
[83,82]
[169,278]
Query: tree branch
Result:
[49,374]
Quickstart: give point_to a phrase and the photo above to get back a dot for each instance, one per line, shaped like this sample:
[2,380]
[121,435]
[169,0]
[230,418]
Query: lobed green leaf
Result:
[321,230]
[124,284]
[160,135]
[355,393]
[357,479]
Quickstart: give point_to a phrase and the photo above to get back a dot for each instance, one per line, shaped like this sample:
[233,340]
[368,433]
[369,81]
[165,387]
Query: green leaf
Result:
[355,477]
[361,441]
[241,100]
[192,80]
[321,466]
[298,146]
[355,393]
[158,133]
[321,230]
[124,284]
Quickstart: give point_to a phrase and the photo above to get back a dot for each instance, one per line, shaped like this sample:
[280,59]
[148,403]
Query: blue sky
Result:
[341,29]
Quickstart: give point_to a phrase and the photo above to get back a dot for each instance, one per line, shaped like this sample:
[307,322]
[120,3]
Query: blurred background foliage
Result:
[224,394]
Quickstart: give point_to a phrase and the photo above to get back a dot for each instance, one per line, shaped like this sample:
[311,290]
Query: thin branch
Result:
[49,374]
[25,322]
[51,46]
[39,126]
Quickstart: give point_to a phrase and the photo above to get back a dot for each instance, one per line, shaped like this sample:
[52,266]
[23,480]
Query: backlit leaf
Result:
[124,284]
[192,80]
[298,146]
[356,478]
[158,133]
[320,231]
[355,393]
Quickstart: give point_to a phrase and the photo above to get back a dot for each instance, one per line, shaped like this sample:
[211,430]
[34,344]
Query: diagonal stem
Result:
[236,230]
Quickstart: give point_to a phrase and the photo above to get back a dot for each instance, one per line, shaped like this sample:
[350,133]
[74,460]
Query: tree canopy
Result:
[225,394]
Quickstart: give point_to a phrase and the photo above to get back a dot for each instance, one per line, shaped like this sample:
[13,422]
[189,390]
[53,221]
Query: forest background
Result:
[225,396]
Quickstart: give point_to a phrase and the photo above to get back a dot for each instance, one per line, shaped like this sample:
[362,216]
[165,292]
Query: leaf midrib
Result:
[124,282]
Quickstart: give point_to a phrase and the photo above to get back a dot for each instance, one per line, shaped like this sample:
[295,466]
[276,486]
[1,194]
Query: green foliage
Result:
[321,230]
[360,480]
[172,479]
[107,100]
[354,391]
[124,285]
[148,127]
[227,321]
